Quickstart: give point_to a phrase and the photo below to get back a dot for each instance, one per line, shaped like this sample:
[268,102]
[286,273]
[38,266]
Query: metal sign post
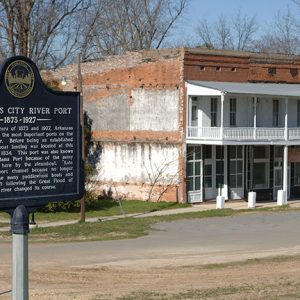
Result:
[20,229]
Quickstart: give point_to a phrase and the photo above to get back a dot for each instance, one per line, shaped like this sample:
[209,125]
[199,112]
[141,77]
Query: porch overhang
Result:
[213,88]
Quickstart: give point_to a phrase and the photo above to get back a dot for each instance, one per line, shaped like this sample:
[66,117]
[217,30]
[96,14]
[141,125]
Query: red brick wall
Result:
[241,67]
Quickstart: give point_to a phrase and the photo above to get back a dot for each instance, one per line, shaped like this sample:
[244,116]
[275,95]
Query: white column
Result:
[254,117]
[285,173]
[225,188]
[189,116]
[286,119]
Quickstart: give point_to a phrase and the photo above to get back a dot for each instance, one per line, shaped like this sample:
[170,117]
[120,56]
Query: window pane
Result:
[297,173]
[207,152]
[239,180]
[219,181]
[219,152]
[190,169]
[232,167]
[232,179]
[197,168]
[260,171]
[190,184]
[220,167]
[278,151]
[239,151]
[207,181]
[232,151]
[278,177]
[197,183]
[260,152]
[190,153]
[198,152]
[239,166]
[208,170]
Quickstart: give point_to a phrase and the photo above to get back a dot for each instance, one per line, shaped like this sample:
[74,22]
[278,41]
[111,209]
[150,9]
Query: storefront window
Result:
[297,173]
[193,168]
[208,176]
[261,166]
[236,167]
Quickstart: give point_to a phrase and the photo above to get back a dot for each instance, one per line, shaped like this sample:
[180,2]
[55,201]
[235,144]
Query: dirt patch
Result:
[257,279]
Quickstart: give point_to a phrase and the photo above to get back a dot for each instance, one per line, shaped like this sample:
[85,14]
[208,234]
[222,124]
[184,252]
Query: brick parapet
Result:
[162,137]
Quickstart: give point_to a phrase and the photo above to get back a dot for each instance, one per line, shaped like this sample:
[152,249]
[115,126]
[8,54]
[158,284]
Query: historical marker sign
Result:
[40,139]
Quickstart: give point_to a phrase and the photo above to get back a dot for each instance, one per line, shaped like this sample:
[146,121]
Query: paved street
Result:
[187,241]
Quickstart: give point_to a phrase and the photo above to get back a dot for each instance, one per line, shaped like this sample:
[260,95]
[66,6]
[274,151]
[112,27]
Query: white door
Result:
[236,172]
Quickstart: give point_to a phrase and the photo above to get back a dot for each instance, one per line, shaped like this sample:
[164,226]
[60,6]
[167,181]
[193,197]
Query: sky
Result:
[264,10]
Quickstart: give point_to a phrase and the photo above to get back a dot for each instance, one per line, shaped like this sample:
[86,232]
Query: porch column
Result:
[254,118]
[286,100]
[222,115]
[189,116]
[285,173]
[225,187]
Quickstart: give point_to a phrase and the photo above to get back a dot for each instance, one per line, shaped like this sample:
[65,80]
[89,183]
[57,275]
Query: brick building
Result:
[191,124]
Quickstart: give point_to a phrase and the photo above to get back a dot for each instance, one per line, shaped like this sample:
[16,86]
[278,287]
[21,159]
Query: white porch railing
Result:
[294,133]
[243,133]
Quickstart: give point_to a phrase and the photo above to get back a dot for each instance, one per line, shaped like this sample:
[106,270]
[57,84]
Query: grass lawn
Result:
[110,208]
[105,207]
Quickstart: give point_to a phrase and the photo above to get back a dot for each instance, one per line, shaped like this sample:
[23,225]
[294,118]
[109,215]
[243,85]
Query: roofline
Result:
[242,54]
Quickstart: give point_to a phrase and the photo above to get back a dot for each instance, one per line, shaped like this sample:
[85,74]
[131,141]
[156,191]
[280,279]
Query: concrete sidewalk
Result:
[205,206]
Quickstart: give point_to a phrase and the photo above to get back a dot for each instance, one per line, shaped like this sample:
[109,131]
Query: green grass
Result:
[123,228]
[107,208]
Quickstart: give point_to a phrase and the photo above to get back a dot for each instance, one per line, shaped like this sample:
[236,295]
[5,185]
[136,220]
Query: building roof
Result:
[260,89]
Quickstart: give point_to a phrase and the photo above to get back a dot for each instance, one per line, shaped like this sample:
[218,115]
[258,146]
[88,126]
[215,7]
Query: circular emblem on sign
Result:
[19,79]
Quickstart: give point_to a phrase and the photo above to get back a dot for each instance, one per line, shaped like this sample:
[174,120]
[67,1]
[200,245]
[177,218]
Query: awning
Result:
[260,89]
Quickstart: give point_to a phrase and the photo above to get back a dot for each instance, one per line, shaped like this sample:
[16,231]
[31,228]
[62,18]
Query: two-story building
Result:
[240,137]
[191,124]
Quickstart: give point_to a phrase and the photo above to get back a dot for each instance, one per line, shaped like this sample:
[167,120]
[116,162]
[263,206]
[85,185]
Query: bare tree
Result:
[284,36]
[116,26]
[161,177]
[43,30]
[236,33]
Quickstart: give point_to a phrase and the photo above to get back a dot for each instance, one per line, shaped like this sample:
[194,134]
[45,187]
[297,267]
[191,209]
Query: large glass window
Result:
[193,169]
[236,166]
[296,173]
[219,166]
[261,166]
[213,111]
[232,112]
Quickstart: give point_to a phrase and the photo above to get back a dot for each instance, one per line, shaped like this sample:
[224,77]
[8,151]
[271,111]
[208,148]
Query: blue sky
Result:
[264,10]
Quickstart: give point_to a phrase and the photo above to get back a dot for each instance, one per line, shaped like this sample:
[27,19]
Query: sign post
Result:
[41,153]
[20,229]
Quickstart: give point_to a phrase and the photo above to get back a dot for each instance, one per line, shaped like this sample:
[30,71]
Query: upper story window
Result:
[213,111]
[232,112]
[275,113]
[298,113]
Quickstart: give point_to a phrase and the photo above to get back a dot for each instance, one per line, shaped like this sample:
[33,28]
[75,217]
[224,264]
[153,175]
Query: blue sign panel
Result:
[40,139]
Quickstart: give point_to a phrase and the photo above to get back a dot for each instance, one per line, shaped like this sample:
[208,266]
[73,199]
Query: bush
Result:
[91,202]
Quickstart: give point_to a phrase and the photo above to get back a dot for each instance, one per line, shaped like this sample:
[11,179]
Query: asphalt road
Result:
[185,242]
